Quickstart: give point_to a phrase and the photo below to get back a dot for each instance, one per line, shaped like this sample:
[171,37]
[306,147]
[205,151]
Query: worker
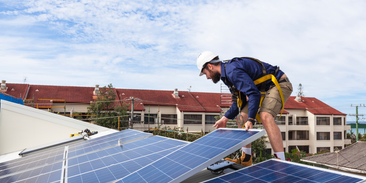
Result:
[240,75]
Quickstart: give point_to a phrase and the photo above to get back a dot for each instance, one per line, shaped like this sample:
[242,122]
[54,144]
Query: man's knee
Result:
[266,117]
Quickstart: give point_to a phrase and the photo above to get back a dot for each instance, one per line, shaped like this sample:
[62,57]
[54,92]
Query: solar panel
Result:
[195,156]
[25,167]
[275,170]
[114,163]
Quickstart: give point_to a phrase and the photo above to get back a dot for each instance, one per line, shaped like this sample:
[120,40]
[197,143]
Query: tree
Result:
[107,109]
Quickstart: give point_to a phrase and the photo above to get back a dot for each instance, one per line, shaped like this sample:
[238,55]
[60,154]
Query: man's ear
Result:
[209,66]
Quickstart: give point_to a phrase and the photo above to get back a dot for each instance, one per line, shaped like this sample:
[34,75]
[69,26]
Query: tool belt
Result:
[262,81]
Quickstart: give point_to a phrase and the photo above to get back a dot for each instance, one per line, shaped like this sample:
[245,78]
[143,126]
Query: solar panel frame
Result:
[292,166]
[258,133]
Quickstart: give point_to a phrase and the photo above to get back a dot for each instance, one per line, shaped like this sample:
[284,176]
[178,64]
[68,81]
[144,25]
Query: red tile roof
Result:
[16,90]
[186,102]
[72,94]
[313,105]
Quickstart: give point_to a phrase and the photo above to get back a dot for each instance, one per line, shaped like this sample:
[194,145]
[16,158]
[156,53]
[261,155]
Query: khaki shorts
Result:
[272,102]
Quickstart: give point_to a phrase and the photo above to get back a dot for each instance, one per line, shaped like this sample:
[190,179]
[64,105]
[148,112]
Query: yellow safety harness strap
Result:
[274,80]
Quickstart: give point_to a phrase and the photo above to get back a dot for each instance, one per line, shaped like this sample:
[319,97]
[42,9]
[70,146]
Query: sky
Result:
[144,44]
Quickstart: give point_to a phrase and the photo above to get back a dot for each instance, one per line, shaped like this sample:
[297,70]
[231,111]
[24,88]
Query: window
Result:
[322,149]
[304,148]
[169,119]
[290,148]
[345,134]
[322,135]
[192,119]
[291,135]
[268,151]
[136,118]
[301,120]
[290,120]
[150,118]
[281,120]
[301,148]
[283,136]
[337,121]
[210,119]
[337,135]
[302,135]
[337,148]
[323,120]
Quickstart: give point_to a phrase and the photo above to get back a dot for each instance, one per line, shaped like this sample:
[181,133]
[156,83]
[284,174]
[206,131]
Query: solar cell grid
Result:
[195,156]
[24,166]
[120,161]
[48,172]
[282,171]
[77,149]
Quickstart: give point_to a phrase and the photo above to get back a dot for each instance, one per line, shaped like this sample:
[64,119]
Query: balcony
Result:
[347,141]
[347,127]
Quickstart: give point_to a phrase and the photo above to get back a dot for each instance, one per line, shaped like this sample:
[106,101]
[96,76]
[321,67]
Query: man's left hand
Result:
[248,125]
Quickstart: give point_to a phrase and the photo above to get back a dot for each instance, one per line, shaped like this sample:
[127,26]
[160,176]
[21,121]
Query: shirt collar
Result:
[223,74]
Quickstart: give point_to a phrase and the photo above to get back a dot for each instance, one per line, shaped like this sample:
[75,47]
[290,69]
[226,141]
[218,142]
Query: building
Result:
[312,125]
[306,124]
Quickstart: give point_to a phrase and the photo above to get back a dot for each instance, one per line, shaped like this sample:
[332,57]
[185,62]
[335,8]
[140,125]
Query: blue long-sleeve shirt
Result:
[242,72]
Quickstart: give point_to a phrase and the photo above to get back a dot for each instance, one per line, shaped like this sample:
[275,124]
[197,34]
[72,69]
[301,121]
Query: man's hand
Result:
[221,123]
[248,125]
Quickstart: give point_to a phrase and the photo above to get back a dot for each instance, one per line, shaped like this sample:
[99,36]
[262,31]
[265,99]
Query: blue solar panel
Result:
[48,173]
[114,163]
[195,156]
[282,171]
[56,155]
[24,168]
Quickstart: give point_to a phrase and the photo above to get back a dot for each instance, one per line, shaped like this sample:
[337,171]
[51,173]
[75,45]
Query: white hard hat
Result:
[205,57]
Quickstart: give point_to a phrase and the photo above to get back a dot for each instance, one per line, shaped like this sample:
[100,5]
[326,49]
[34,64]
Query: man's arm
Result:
[245,84]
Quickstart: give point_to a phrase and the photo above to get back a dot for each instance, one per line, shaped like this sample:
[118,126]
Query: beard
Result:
[215,76]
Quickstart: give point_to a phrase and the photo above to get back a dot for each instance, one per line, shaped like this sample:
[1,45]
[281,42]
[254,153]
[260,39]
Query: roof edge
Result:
[337,167]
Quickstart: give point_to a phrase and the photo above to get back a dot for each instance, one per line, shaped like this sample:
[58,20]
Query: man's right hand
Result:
[221,123]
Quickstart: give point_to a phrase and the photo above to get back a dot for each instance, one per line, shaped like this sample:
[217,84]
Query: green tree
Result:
[258,148]
[107,109]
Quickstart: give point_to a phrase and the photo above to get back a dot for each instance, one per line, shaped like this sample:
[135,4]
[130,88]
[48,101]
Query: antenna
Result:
[300,92]
[25,79]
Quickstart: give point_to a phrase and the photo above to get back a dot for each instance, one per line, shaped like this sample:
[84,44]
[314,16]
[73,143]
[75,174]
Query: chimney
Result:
[96,90]
[175,94]
[298,98]
[3,84]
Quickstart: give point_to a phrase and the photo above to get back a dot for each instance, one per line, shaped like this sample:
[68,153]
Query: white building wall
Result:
[26,127]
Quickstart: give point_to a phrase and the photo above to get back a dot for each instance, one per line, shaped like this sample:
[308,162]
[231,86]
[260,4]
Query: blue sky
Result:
[154,44]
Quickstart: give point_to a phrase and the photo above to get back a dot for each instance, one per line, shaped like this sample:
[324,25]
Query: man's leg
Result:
[274,134]
[246,157]
[271,106]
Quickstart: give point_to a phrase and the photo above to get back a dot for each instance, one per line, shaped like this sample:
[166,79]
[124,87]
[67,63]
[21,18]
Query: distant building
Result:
[307,123]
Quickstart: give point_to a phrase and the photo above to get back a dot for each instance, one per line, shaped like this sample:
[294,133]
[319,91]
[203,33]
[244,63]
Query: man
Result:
[239,74]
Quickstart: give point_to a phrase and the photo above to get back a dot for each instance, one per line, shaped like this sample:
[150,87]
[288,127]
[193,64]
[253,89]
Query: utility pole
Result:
[361,105]
[132,106]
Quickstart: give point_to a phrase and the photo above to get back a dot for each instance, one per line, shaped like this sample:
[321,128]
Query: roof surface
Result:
[186,102]
[353,157]
[313,105]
